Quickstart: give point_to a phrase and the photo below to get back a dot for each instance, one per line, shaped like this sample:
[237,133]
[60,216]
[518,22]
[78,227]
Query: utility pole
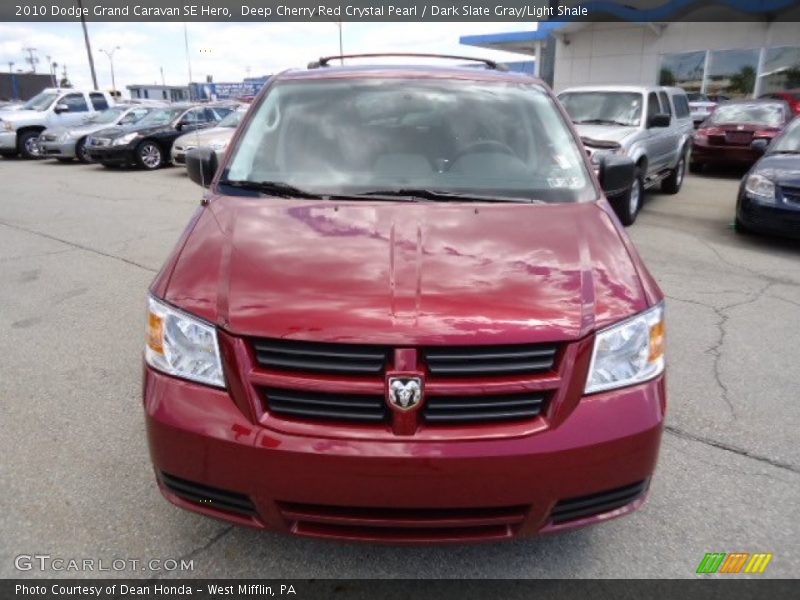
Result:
[88,45]
[110,56]
[32,59]
[14,91]
[50,70]
[55,75]
[162,76]
[188,60]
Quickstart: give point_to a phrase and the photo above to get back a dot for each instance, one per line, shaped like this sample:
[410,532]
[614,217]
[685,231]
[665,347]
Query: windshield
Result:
[455,137]
[789,141]
[620,108]
[770,115]
[232,120]
[41,101]
[106,116]
[162,116]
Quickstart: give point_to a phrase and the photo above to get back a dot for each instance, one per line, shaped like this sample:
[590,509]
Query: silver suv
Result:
[650,124]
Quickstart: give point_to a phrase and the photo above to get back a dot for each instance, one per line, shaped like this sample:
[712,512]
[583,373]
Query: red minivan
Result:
[405,312]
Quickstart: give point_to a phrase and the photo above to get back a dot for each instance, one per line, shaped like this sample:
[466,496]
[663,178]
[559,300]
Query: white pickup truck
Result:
[52,107]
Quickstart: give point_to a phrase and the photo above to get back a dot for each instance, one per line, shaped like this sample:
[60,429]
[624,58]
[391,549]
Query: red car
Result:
[727,135]
[790,96]
[405,312]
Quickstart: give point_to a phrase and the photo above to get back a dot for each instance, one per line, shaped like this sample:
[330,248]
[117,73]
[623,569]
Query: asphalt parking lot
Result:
[79,244]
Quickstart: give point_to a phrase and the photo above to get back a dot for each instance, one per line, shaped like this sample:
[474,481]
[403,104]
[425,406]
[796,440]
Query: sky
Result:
[227,51]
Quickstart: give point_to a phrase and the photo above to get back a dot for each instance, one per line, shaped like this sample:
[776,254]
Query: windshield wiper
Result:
[784,152]
[273,188]
[442,196]
[601,122]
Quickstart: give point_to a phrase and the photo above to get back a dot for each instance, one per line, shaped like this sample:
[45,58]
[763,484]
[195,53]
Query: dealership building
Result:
[734,59]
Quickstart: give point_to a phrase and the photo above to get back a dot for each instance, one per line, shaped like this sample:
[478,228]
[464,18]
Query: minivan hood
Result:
[400,273]
[606,133]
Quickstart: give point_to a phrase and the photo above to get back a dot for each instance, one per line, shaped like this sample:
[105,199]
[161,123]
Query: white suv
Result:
[52,107]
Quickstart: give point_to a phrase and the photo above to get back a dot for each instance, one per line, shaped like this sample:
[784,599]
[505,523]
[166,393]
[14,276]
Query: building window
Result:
[684,70]
[732,73]
[780,70]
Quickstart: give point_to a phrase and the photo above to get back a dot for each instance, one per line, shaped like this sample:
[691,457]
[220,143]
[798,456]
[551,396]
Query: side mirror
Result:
[659,120]
[60,108]
[759,145]
[616,173]
[201,165]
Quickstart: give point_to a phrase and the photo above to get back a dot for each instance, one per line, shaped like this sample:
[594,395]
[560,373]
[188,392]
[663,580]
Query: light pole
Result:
[110,55]
[340,24]
[88,44]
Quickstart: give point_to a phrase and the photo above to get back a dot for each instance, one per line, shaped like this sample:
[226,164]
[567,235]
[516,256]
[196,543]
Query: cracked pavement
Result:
[79,245]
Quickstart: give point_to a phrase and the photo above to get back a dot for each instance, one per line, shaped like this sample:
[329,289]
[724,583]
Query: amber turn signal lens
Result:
[155,333]
[657,341]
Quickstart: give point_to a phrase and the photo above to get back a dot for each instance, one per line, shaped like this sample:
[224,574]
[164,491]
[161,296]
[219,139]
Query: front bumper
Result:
[781,218]
[402,489]
[112,154]
[8,140]
[178,155]
[58,149]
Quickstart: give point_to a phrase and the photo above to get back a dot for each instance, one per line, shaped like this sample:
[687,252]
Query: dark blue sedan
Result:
[769,197]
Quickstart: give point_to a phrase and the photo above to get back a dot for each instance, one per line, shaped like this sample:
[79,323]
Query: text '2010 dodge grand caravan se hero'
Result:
[405,312]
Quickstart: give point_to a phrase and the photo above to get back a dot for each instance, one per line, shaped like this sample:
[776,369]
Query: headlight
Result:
[218,145]
[629,352]
[182,345]
[66,135]
[125,139]
[760,187]
[8,126]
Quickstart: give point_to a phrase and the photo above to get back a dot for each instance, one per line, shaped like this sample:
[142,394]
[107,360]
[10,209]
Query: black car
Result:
[148,143]
[769,196]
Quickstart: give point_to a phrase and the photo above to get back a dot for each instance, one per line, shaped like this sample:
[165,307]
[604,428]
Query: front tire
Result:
[741,228]
[81,153]
[628,204]
[29,145]
[149,155]
[672,184]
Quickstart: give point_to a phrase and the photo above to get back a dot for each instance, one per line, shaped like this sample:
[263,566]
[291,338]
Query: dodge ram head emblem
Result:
[405,392]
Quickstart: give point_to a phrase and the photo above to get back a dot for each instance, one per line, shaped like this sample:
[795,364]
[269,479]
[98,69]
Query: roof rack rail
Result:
[324,60]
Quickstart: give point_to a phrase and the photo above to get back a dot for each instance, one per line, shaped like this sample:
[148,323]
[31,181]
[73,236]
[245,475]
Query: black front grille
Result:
[791,194]
[210,497]
[469,409]
[345,359]
[584,506]
[326,406]
[478,361]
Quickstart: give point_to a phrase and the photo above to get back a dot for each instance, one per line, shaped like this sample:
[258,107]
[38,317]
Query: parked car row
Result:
[654,127]
[68,124]
[148,142]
